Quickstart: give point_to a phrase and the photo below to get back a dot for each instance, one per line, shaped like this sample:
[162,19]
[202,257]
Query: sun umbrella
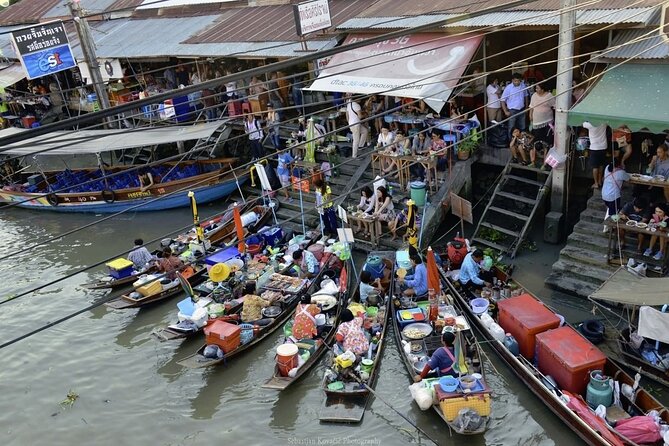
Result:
[433,282]
[310,145]
[196,218]
[240,229]
[412,232]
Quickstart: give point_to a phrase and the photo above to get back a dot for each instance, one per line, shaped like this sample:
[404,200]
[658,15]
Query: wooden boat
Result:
[575,413]
[280,382]
[348,404]
[260,332]
[643,295]
[126,301]
[414,353]
[111,283]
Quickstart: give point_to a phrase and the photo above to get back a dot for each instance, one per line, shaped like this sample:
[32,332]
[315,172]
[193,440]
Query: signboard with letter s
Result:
[312,16]
[44,49]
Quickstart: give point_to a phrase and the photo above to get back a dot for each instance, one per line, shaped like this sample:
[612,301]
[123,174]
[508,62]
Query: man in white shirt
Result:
[359,131]
[493,106]
[140,256]
[597,152]
[514,103]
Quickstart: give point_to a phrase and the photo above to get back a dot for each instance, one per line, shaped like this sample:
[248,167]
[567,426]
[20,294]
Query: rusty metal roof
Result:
[270,23]
[635,44]
[26,12]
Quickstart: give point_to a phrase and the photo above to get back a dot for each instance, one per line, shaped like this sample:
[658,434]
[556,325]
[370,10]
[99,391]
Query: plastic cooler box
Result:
[225,335]
[223,256]
[568,357]
[120,268]
[272,236]
[524,317]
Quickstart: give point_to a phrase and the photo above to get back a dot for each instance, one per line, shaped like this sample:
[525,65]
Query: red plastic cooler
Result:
[568,357]
[524,316]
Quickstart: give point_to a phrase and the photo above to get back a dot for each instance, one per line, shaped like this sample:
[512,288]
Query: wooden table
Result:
[611,256]
[403,163]
[374,237]
[653,183]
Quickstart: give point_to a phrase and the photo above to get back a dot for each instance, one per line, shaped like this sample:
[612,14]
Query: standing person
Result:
[623,137]
[541,113]
[170,78]
[272,122]
[514,102]
[597,151]
[375,108]
[275,97]
[326,207]
[614,177]
[384,209]
[283,171]
[254,130]
[471,275]
[140,256]
[493,106]
[353,116]
[169,264]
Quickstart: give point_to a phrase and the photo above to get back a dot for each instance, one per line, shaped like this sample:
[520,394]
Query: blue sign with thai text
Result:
[49,61]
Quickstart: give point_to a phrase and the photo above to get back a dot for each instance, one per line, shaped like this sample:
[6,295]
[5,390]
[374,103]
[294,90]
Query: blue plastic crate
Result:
[223,256]
[121,273]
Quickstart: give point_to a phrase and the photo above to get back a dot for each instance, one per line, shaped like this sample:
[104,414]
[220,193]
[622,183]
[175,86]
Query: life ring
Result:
[108,195]
[52,199]
[593,330]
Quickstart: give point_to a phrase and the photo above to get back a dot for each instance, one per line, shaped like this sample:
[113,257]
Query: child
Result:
[401,219]
[369,287]
[638,211]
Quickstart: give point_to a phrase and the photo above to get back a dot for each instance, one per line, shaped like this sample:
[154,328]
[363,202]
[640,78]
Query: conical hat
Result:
[219,272]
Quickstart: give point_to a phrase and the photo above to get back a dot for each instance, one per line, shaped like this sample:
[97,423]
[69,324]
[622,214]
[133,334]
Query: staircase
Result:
[208,146]
[582,266]
[138,155]
[512,207]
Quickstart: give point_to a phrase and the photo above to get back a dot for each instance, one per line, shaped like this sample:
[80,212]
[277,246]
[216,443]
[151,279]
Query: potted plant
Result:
[466,147]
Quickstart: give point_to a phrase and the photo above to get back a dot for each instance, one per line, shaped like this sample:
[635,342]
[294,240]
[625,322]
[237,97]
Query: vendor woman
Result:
[416,284]
[442,359]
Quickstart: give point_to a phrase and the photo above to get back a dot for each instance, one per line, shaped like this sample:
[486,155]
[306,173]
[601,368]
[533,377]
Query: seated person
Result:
[366,205]
[169,263]
[140,256]
[350,334]
[442,359]
[521,146]
[471,276]
[660,219]
[637,210]
[304,323]
[307,263]
[402,219]
[369,287]
[416,284]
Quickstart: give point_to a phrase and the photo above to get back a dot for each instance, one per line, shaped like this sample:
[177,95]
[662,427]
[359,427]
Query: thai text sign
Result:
[312,16]
[44,49]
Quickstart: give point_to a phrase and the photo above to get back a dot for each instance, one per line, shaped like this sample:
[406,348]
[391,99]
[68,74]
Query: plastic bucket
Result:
[286,358]
[366,365]
[418,192]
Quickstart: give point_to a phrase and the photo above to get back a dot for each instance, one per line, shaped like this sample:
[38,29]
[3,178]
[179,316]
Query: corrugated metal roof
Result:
[88,6]
[523,18]
[395,8]
[271,23]
[26,11]
[651,46]
[126,38]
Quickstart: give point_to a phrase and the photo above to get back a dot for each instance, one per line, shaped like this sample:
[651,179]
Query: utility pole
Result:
[88,48]
[555,219]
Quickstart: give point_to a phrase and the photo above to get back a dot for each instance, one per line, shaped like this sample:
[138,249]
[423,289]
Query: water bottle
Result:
[390,191]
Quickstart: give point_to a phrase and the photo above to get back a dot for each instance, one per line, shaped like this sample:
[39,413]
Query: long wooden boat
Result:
[569,407]
[414,353]
[348,404]
[280,382]
[627,288]
[126,301]
[110,283]
[210,180]
[260,332]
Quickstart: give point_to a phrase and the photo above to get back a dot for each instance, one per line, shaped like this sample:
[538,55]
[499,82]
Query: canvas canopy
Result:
[97,141]
[653,324]
[421,66]
[628,288]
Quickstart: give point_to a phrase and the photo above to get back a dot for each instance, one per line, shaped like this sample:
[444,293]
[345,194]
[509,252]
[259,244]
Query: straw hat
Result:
[219,272]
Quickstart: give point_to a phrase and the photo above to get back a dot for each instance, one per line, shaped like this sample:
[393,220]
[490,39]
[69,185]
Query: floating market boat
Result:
[115,189]
[571,376]
[644,344]
[346,386]
[463,401]
[325,321]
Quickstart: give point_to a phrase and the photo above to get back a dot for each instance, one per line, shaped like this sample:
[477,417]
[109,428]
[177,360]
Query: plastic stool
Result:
[246,107]
[452,138]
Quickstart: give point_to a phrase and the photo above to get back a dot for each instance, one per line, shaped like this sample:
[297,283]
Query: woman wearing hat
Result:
[442,359]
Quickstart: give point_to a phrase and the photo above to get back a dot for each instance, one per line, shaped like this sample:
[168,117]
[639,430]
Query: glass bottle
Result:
[434,305]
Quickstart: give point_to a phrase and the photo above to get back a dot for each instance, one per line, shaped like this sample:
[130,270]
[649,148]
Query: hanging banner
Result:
[43,49]
[110,69]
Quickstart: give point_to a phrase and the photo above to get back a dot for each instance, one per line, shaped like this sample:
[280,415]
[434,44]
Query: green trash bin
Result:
[418,192]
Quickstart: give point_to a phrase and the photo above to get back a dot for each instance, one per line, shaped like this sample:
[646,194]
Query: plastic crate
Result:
[524,317]
[151,288]
[479,402]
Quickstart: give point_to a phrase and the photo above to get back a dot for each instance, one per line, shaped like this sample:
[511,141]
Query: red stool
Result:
[246,107]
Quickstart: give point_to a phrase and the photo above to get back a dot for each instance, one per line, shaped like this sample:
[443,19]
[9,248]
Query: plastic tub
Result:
[286,358]
[448,383]
[479,305]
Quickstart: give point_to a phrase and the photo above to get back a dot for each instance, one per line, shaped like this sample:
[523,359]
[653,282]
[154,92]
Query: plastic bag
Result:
[554,159]
[421,395]
[468,420]
[639,429]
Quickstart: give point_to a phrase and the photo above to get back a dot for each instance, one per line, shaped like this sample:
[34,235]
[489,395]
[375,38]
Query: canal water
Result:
[132,392]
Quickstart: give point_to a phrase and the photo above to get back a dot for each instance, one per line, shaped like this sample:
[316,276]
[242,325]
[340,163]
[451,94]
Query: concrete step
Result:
[570,285]
[586,272]
[585,256]
[592,215]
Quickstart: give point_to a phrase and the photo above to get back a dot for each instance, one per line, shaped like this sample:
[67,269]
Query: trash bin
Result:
[418,192]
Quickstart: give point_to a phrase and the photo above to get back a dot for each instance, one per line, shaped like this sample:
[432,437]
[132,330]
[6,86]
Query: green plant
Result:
[492,235]
[468,145]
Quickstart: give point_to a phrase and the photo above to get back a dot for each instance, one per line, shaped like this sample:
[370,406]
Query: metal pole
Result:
[88,49]
[563,100]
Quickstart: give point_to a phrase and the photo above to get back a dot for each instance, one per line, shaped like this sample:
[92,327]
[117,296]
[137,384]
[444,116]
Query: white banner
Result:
[312,16]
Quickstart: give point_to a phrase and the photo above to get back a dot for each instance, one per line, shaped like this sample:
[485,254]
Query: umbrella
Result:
[460,365]
[196,218]
[310,145]
[433,282]
[412,233]
[240,229]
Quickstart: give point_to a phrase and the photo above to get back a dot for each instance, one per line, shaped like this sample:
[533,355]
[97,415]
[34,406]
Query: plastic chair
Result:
[246,107]
[452,138]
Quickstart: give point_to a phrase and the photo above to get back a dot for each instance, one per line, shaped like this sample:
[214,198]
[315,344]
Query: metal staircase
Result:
[512,207]
[206,147]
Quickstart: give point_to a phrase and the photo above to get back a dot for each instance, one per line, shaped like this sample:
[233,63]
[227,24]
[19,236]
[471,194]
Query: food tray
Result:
[417,331]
